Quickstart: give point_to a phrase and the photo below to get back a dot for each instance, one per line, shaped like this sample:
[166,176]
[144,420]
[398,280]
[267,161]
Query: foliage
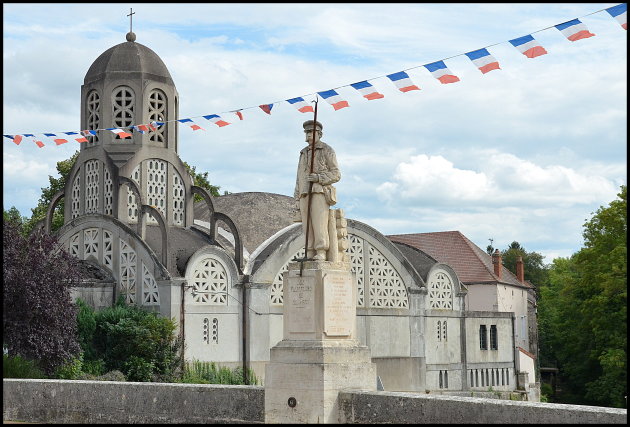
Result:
[201,180]
[198,372]
[534,268]
[39,318]
[56,184]
[583,312]
[546,393]
[71,370]
[132,340]
[13,216]
[86,326]
[17,367]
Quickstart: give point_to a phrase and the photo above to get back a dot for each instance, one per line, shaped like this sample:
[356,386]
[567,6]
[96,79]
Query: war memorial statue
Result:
[319,353]
[325,229]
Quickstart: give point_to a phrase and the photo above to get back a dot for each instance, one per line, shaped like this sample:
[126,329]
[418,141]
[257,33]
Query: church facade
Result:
[216,266]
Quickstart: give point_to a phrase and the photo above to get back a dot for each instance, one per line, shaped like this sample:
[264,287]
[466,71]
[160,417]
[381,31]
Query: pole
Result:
[310,189]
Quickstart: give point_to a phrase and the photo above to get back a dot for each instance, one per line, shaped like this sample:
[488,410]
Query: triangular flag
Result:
[266,108]
[217,120]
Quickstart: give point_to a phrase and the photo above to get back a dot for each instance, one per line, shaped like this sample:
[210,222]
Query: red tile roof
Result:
[471,263]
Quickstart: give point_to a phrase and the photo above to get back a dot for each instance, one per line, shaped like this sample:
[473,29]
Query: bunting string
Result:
[573,30]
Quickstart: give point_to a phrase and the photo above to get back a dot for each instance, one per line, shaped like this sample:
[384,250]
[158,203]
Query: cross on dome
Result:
[130,35]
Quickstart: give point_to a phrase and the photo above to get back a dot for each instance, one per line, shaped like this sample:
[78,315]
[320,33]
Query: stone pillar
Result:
[319,354]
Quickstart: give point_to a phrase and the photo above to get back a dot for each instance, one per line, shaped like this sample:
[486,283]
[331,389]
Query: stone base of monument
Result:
[319,355]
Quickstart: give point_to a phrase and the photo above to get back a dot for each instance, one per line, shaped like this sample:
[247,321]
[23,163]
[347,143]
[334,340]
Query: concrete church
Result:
[216,266]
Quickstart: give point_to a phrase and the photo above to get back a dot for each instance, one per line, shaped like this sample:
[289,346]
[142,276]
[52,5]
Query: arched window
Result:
[440,292]
[93,105]
[179,198]
[156,186]
[157,113]
[92,181]
[210,282]
[123,101]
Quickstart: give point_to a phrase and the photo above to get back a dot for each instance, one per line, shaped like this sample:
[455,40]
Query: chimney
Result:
[496,260]
[520,271]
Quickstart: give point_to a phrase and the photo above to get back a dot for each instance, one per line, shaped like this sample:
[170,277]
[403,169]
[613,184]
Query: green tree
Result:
[536,271]
[13,216]
[201,180]
[56,184]
[583,312]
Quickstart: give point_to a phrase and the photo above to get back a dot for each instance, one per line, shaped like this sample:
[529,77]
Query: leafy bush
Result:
[129,339]
[17,367]
[71,370]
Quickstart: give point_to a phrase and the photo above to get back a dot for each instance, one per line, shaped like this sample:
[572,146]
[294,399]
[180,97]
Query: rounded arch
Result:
[51,209]
[385,274]
[211,275]
[117,248]
[444,289]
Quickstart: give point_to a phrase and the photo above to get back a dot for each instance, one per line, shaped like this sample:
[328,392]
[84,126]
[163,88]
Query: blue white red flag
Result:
[528,46]
[301,105]
[367,90]
[121,133]
[189,122]
[88,132]
[620,13]
[35,139]
[483,60]
[440,71]
[155,125]
[15,138]
[58,141]
[79,139]
[141,128]
[266,108]
[217,120]
[239,114]
[574,30]
[333,98]
[402,81]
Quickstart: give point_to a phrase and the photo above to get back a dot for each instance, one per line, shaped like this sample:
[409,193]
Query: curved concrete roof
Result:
[128,57]
[257,215]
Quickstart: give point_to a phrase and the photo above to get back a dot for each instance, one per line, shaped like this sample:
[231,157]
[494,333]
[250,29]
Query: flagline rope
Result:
[30,135]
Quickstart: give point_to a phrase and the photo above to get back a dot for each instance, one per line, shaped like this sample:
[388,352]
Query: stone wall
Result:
[62,401]
[359,407]
[112,402]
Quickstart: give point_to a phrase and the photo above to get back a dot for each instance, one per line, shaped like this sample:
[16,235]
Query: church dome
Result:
[127,59]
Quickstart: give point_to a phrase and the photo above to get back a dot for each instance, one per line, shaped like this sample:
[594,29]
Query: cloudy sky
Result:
[524,153]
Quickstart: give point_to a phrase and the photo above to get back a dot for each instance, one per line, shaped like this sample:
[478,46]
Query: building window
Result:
[210,282]
[444,330]
[215,330]
[205,331]
[157,113]
[122,107]
[439,330]
[93,117]
[494,338]
[483,339]
[440,294]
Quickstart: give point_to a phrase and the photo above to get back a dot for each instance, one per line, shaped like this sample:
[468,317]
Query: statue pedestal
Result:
[319,354]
